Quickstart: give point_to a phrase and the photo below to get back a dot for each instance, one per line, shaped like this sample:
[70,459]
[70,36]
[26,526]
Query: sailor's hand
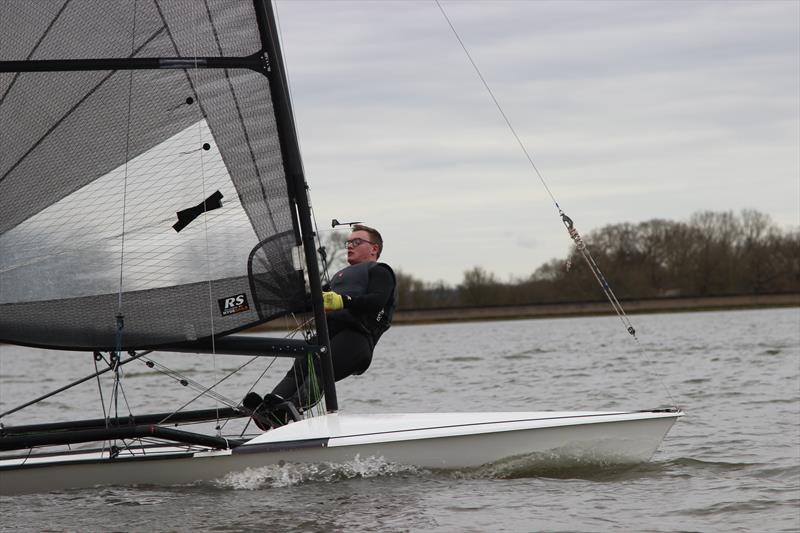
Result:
[332,301]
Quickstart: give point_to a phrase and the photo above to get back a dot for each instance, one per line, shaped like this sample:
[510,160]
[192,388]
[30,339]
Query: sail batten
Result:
[254,62]
[80,176]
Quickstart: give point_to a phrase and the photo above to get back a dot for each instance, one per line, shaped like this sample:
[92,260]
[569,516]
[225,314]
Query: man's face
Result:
[360,249]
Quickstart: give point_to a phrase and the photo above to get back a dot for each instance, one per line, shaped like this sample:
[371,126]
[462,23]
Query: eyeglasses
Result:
[356,242]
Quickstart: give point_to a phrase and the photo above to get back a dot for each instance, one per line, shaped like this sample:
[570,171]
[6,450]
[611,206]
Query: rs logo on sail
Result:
[233,304]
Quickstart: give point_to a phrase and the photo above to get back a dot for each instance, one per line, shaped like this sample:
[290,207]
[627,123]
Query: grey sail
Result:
[158,195]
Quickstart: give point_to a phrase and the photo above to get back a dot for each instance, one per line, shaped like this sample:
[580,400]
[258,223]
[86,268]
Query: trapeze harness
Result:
[363,309]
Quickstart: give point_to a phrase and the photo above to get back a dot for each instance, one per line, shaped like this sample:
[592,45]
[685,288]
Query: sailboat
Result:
[152,199]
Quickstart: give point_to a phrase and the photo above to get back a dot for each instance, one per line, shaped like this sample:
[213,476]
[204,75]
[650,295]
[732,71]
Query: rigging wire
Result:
[205,212]
[208,391]
[125,174]
[114,362]
[114,400]
[499,107]
[69,386]
[567,221]
[100,390]
[188,382]
[253,386]
[125,399]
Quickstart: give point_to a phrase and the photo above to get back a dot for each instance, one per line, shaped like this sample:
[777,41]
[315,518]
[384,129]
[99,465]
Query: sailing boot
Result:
[271,411]
[281,411]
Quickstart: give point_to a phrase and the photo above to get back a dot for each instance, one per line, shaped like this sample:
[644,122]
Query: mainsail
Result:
[142,179]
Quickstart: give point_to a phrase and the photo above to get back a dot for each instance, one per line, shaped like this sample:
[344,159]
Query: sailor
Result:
[359,303]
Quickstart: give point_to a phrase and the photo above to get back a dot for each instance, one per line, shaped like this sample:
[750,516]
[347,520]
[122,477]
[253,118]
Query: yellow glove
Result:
[332,301]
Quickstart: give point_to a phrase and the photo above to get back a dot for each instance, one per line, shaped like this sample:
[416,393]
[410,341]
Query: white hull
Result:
[437,441]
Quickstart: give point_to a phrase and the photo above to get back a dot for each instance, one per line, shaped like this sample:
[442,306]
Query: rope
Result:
[314,394]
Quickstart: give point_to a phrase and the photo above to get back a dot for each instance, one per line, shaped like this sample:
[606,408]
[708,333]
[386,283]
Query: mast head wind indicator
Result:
[335,223]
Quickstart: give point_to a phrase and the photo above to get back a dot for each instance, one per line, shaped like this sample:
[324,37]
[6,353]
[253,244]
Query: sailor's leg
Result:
[309,392]
[352,353]
[293,379]
[273,410]
[299,387]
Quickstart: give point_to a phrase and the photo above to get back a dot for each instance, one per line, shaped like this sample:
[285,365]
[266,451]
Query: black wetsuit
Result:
[369,294]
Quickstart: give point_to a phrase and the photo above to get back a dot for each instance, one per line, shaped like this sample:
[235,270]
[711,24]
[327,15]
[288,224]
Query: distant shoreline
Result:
[571,309]
[551,310]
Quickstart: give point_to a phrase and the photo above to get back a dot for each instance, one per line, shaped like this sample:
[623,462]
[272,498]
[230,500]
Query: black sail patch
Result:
[186,216]
[233,304]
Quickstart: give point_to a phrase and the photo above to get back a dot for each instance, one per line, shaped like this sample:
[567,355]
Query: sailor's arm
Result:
[379,290]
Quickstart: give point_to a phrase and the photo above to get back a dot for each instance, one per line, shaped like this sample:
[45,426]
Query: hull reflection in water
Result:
[431,441]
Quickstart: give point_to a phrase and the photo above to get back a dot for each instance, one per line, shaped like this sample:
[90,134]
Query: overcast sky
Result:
[631,110]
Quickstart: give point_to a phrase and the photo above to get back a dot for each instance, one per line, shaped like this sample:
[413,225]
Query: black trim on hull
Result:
[144,448]
[255,448]
[282,446]
[131,432]
[118,459]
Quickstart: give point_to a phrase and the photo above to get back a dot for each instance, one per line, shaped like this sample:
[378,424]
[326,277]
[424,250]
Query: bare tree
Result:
[711,254]
[332,251]
[479,287]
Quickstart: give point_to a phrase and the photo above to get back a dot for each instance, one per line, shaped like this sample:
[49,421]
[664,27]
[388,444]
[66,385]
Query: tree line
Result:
[713,254]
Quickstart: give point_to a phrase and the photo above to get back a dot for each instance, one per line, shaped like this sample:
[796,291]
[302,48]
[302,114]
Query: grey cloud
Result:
[632,110]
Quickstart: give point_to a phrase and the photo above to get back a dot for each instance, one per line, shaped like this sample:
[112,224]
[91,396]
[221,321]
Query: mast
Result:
[297,184]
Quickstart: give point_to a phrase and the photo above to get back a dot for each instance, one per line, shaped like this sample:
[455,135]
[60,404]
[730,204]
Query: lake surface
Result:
[731,464]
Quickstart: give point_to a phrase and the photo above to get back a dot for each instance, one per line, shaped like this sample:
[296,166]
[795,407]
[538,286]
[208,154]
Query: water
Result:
[731,464]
